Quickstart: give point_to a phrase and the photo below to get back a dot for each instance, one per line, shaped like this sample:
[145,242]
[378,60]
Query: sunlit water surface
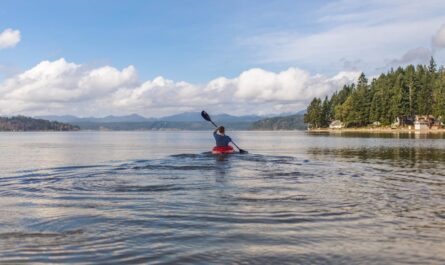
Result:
[162,198]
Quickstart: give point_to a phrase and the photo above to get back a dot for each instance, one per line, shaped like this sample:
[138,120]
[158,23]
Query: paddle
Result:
[206,117]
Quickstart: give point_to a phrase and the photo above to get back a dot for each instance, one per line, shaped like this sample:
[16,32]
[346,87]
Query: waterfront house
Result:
[336,125]
[429,119]
[421,125]
[424,122]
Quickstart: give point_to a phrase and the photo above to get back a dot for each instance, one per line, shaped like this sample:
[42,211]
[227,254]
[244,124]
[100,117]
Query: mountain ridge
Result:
[183,121]
[180,117]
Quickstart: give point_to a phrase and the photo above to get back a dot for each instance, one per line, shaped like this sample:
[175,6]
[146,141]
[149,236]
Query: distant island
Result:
[22,123]
[410,98]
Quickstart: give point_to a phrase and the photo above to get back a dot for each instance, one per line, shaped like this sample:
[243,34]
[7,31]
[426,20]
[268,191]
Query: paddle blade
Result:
[241,151]
[205,115]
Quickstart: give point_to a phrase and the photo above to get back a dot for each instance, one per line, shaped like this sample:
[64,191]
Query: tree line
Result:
[404,92]
[22,123]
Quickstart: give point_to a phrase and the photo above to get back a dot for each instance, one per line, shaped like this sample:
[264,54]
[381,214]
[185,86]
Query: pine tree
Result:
[424,95]
[412,86]
[348,114]
[313,114]
[432,66]
[325,113]
[439,104]
[361,102]
[375,114]
[397,98]
[404,92]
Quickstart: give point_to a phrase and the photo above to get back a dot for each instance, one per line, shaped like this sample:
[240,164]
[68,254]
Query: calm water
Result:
[161,198]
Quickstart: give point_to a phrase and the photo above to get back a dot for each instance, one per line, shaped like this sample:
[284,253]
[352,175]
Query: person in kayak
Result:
[222,140]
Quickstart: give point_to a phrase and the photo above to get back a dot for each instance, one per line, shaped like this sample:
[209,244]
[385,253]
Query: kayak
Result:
[217,150]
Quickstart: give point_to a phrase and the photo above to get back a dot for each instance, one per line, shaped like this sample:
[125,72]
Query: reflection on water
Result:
[323,200]
[406,155]
[391,135]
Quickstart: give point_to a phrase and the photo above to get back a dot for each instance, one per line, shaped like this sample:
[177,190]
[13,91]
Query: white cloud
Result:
[374,12]
[292,85]
[373,32]
[58,84]
[372,44]
[61,87]
[9,38]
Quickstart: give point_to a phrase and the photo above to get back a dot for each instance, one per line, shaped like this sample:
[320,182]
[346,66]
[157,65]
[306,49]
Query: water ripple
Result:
[239,209]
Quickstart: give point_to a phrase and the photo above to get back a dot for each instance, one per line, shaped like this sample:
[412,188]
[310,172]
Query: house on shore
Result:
[426,122]
[336,125]
[421,125]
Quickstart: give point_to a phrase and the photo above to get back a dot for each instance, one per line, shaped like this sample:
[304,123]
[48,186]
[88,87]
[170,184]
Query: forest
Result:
[402,93]
[22,123]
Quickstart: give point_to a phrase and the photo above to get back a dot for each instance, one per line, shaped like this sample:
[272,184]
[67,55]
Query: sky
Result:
[156,58]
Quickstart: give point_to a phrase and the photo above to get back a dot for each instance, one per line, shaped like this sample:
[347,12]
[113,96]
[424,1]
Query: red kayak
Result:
[222,150]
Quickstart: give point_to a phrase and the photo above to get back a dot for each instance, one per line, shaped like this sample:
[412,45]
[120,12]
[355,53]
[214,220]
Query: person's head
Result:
[221,130]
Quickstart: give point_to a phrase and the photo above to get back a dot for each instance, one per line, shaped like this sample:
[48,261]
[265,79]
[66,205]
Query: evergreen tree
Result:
[358,115]
[325,118]
[404,92]
[375,114]
[439,104]
[347,113]
[432,66]
[412,86]
[424,95]
[313,115]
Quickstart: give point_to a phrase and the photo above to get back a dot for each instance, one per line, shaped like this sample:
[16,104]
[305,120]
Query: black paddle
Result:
[206,117]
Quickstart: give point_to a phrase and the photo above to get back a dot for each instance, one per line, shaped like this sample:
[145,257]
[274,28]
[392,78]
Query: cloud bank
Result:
[9,38]
[62,87]
[378,33]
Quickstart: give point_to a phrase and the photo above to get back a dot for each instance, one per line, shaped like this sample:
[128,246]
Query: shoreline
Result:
[377,130]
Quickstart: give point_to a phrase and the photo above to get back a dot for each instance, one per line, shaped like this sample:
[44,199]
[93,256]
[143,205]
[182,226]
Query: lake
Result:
[162,198]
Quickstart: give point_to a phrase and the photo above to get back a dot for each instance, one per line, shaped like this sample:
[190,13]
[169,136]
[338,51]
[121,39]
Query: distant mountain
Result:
[181,121]
[302,112]
[196,116]
[160,125]
[181,117]
[230,118]
[292,122]
[186,116]
[127,118]
[22,123]
[63,118]
[110,118]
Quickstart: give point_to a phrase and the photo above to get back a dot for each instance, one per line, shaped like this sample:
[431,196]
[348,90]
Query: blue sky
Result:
[94,58]
[185,40]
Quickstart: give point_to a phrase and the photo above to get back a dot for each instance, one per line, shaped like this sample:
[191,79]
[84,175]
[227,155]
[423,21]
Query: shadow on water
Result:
[227,209]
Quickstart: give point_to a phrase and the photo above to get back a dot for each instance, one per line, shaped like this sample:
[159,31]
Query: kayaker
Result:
[222,141]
